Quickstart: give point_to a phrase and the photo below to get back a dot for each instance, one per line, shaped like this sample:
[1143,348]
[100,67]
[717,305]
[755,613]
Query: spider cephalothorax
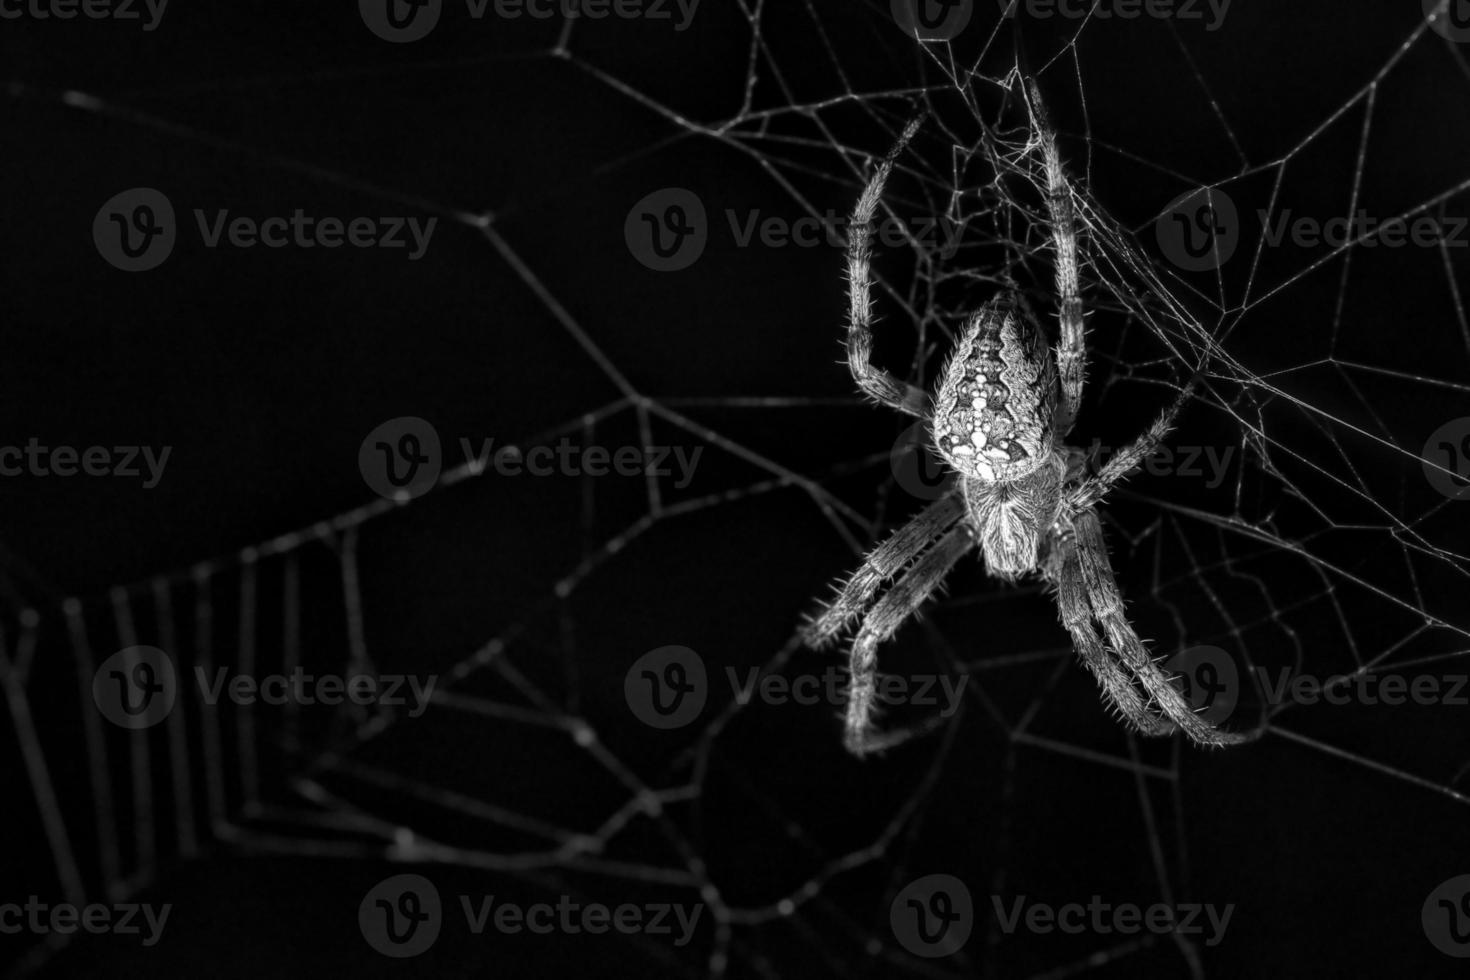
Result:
[999,418]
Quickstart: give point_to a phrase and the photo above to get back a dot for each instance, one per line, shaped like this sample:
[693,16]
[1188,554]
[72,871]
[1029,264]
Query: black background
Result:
[263,369]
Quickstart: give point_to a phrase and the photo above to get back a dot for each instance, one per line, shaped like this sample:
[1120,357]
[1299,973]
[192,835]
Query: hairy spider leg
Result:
[1107,607]
[882,563]
[1071,349]
[901,602]
[877,383]
[1090,491]
[1117,684]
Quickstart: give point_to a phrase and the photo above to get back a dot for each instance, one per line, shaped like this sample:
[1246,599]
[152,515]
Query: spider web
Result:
[1327,546]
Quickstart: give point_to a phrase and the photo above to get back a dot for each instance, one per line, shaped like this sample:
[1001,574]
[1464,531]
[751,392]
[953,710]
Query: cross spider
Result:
[1000,415]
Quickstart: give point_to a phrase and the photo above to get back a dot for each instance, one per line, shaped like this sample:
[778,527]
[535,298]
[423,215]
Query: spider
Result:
[999,419]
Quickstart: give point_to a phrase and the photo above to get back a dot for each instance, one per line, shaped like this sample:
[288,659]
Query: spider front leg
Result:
[874,381]
[1071,351]
[884,562]
[1090,491]
[1097,579]
[902,601]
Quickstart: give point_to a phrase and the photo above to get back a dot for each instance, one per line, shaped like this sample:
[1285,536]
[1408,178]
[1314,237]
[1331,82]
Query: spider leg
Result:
[1107,608]
[874,381]
[883,620]
[881,564]
[1071,350]
[1090,491]
[1116,683]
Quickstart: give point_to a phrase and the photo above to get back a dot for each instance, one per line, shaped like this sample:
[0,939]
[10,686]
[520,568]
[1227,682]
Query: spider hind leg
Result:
[910,592]
[1117,684]
[883,563]
[1096,577]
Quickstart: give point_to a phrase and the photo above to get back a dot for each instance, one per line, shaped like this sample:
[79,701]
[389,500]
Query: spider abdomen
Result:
[994,406]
